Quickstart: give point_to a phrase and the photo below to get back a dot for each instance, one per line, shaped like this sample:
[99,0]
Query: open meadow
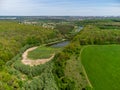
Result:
[102,65]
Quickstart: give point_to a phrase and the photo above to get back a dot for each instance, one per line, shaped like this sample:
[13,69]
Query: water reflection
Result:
[61,44]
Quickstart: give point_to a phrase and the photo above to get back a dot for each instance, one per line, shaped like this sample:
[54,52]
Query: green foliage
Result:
[113,27]
[39,77]
[94,35]
[44,82]
[64,29]
[18,56]
[74,73]
[68,71]
[13,36]
[8,82]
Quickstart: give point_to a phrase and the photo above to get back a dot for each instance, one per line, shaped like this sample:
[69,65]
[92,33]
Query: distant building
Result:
[28,22]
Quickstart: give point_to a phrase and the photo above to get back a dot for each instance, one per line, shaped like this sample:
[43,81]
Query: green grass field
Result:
[102,65]
[42,52]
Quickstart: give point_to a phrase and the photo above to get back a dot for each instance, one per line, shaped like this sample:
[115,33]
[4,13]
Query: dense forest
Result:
[14,36]
[65,71]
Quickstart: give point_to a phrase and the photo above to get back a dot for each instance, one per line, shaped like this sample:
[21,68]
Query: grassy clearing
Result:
[42,52]
[102,64]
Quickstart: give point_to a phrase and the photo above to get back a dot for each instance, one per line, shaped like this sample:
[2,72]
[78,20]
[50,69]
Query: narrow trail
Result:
[27,61]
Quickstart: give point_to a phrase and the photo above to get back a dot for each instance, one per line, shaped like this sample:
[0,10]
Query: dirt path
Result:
[28,61]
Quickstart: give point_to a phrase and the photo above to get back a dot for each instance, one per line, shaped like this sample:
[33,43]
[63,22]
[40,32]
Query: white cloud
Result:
[29,7]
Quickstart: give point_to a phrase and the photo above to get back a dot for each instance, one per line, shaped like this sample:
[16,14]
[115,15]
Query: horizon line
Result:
[65,15]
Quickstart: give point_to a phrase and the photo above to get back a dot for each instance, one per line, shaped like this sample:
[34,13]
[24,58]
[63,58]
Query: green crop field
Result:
[42,52]
[102,65]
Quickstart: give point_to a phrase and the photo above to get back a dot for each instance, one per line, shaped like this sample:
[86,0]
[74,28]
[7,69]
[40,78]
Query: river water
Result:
[60,44]
[65,43]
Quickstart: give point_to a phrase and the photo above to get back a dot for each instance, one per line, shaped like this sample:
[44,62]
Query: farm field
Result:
[102,65]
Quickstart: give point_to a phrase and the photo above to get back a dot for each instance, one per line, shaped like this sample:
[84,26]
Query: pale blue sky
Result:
[60,7]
